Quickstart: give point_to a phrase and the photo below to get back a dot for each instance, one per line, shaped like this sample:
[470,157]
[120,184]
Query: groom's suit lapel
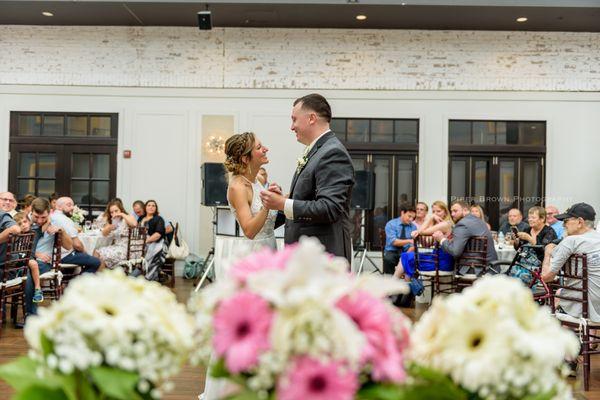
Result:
[311,153]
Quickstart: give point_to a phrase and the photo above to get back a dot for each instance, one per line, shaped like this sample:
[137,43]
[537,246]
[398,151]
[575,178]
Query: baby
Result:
[25,224]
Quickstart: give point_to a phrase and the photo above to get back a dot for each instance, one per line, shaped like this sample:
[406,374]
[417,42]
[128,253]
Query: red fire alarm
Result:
[126,153]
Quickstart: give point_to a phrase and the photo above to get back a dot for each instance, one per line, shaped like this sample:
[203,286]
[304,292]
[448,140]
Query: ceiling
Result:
[550,15]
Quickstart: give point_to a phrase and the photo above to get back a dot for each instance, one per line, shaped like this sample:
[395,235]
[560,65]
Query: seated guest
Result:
[53,197]
[477,211]
[155,226]
[138,209]
[397,237]
[8,227]
[117,227]
[538,232]
[551,212]
[61,217]
[24,223]
[466,226]
[581,238]
[439,221]
[421,210]
[8,203]
[515,218]
[45,232]
[26,204]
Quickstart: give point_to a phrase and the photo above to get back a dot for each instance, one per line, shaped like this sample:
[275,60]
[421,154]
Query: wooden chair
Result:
[167,272]
[572,285]
[474,260]
[136,250]
[427,250]
[52,281]
[19,250]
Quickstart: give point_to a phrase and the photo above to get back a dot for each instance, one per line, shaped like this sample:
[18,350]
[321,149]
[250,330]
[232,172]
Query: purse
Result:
[178,249]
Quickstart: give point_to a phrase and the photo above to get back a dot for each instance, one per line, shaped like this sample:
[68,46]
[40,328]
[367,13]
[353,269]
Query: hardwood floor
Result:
[190,382]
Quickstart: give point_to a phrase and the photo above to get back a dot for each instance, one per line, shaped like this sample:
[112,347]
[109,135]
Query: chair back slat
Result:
[574,273]
[426,245]
[19,250]
[136,243]
[475,253]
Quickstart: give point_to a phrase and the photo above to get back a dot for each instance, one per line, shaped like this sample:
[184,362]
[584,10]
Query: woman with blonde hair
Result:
[477,211]
[439,220]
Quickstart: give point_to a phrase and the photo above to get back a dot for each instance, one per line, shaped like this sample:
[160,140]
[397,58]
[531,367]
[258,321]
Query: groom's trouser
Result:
[390,260]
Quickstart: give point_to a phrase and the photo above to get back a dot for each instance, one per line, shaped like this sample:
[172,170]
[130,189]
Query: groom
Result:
[319,201]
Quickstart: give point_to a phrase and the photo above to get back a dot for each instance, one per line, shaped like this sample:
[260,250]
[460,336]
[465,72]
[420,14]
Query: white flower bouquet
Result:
[296,325]
[78,215]
[493,342]
[109,337]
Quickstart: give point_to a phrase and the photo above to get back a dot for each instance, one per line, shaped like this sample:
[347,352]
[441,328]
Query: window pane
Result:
[26,164]
[483,132]
[80,192]
[76,126]
[53,125]
[458,179]
[382,131]
[45,188]
[481,175]
[532,133]
[99,192]
[359,163]
[338,126]
[507,186]
[25,187]
[500,132]
[381,168]
[531,185]
[405,181]
[30,125]
[460,132]
[101,165]
[512,132]
[406,131]
[80,166]
[358,130]
[100,126]
[46,165]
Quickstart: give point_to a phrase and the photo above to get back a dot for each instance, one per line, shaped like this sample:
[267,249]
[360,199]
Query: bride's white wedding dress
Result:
[215,389]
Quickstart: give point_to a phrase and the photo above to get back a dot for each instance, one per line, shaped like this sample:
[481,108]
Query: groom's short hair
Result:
[317,103]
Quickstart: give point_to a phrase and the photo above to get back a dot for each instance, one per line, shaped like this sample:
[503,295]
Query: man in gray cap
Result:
[578,221]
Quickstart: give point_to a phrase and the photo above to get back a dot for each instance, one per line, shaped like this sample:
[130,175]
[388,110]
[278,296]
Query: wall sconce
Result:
[215,144]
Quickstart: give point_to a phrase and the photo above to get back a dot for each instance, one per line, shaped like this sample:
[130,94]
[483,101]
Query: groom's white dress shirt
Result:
[288,208]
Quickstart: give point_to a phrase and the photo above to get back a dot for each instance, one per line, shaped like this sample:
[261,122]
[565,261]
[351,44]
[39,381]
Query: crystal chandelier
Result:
[215,144]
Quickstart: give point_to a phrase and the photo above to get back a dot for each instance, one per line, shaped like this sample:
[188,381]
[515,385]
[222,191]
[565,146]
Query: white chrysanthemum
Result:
[494,340]
[115,320]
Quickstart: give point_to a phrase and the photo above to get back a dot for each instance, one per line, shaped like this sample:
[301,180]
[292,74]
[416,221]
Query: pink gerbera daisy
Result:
[261,260]
[315,380]
[242,324]
[371,316]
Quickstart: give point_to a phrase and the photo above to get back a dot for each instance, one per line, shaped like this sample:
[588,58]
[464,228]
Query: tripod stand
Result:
[361,248]
[211,253]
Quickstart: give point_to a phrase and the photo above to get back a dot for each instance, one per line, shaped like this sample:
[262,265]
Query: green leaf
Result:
[219,370]
[20,373]
[47,345]
[245,395]
[116,383]
[40,393]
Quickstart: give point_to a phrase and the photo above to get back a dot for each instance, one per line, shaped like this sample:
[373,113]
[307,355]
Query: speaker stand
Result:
[211,254]
[361,249]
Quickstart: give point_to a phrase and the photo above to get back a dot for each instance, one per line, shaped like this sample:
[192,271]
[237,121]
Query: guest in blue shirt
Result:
[551,212]
[397,237]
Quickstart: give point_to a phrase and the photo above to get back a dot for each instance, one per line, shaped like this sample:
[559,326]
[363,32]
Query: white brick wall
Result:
[299,58]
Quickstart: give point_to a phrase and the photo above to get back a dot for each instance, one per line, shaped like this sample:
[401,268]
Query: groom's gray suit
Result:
[321,192]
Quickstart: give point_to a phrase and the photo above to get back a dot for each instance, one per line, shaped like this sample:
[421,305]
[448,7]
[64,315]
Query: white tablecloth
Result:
[92,241]
[225,248]
[505,252]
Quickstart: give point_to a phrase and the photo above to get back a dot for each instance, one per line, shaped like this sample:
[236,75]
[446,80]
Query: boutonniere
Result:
[301,163]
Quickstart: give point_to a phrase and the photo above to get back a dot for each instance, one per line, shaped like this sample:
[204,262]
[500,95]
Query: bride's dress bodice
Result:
[267,231]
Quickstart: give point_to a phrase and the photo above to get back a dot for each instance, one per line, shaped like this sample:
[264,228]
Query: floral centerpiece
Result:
[296,325]
[78,215]
[109,337]
[492,342]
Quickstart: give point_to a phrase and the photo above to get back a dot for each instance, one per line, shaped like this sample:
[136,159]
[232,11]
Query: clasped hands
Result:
[273,198]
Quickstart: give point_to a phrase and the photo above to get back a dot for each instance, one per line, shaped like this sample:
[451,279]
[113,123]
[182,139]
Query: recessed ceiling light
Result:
[522,19]
[361,17]
[47,14]
[402,4]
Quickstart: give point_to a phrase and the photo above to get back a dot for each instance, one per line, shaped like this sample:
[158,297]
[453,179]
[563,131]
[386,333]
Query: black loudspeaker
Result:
[214,185]
[204,20]
[363,193]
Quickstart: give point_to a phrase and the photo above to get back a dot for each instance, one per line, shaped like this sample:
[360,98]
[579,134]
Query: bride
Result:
[245,155]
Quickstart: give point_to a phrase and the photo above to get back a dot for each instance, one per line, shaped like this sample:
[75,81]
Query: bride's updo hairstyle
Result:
[236,147]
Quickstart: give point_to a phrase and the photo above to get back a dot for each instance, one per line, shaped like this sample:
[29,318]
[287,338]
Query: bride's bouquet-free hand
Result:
[109,337]
[295,324]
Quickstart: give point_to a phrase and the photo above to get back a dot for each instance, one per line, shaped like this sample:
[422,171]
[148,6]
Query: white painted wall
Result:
[166,124]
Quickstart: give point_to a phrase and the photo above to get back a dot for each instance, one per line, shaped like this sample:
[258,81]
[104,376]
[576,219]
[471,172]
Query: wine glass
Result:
[87,225]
